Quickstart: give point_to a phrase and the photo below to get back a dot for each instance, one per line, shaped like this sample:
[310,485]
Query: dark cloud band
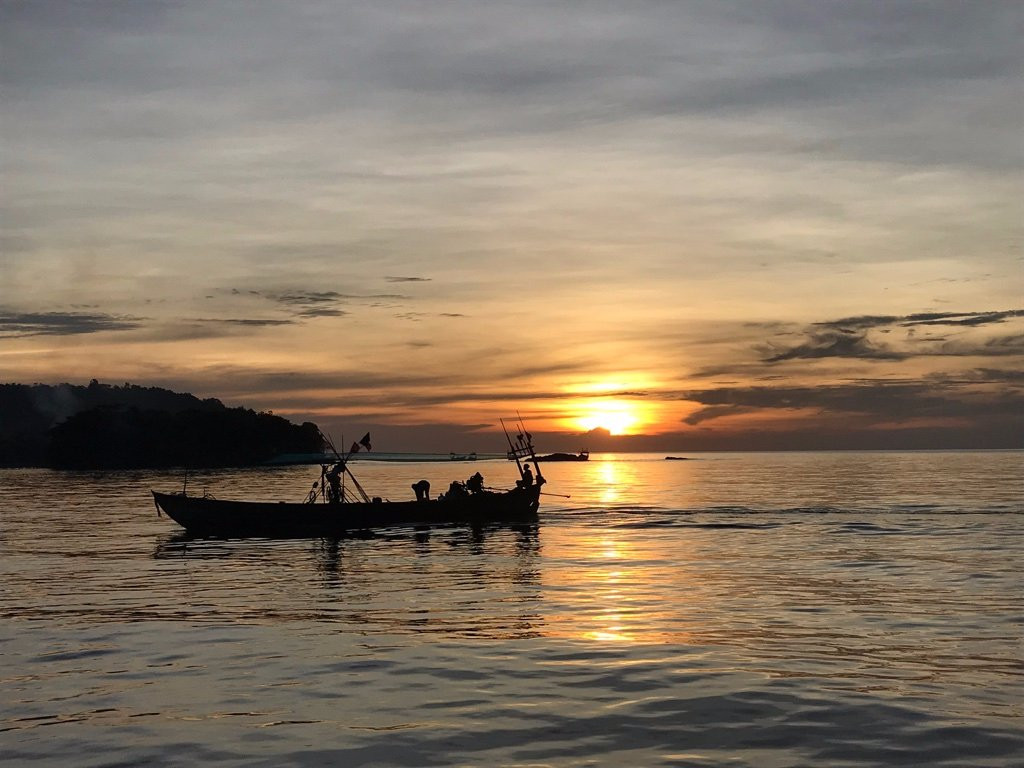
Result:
[63,323]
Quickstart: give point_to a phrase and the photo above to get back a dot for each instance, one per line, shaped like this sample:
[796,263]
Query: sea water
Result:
[841,609]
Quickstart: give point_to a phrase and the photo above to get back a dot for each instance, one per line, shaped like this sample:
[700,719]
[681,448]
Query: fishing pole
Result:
[542,493]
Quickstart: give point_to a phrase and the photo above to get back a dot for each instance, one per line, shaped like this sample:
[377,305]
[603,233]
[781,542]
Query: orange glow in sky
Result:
[410,247]
[618,416]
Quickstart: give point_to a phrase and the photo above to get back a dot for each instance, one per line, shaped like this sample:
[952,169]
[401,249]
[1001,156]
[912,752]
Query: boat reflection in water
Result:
[454,582]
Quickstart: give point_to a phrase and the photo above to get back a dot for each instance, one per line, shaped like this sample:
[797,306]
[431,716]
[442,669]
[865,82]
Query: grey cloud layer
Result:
[924,318]
[514,67]
[425,123]
[850,338]
[870,402]
[990,398]
[17,324]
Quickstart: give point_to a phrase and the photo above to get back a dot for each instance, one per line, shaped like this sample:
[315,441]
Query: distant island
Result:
[101,426]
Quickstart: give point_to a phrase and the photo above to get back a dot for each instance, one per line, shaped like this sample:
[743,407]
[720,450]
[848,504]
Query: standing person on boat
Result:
[527,477]
[422,490]
[334,485]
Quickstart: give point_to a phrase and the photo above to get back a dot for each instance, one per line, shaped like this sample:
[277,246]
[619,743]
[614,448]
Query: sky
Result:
[640,226]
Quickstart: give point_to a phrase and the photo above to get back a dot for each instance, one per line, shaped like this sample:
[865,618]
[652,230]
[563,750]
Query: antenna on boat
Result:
[522,449]
[529,445]
[341,463]
[512,452]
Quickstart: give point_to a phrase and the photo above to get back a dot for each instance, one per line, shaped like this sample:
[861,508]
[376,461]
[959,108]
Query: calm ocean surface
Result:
[830,609]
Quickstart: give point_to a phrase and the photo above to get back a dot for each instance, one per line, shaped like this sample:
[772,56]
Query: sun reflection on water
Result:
[611,587]
[604,481]
[609,482]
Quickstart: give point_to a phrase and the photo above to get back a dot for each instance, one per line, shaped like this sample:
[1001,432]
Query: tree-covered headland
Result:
[101,426]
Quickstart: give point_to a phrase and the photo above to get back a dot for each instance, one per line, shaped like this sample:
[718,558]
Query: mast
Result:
[529,442]
[521,451]
[340,469]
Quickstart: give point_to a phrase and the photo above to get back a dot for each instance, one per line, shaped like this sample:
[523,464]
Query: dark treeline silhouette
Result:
[111,427]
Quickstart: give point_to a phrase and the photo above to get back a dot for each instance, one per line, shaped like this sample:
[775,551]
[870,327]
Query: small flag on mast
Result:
[365,442]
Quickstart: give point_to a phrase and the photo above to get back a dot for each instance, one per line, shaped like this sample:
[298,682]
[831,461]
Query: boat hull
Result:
[203,516]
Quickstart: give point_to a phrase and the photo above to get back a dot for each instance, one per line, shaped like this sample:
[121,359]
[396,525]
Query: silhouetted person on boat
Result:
[475,484]
[422,490]
[527,480]
[334,486]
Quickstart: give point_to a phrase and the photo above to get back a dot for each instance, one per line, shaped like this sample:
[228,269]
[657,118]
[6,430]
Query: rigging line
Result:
[359,487]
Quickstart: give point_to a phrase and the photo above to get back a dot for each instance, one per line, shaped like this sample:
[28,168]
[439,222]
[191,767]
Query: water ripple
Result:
[763,612]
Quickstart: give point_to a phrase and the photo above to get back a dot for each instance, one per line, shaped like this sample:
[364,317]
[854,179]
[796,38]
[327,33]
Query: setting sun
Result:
[619,417]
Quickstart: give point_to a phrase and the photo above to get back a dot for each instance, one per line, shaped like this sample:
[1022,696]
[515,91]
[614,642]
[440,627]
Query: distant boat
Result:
[463,456]
[338,505]
[581,456]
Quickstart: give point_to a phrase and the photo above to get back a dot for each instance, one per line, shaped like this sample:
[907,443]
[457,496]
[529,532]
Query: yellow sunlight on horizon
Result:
[619,417]
[614,403]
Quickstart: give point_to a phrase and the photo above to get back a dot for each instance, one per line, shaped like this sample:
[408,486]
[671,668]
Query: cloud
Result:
[306,298]
[18,324]
[923,318]
[322,312]
[325,303]
[982,375]
[252,322]
[869,401]
[836,344]
[716,412]
[968,319]
[195,329]
[397,279]
[857,337]
[298,304]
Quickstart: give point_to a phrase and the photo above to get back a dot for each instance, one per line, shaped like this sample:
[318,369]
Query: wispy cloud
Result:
[16,324]
[869,401]
[859,338]
[321,312]
[249,322]
[836,344]
[307,298]
[310,304]
[923,318]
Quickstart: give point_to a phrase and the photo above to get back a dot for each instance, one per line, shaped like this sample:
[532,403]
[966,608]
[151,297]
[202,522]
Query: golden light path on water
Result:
[613,575]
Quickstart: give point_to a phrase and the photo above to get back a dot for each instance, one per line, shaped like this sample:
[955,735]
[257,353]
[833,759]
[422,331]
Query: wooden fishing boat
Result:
[338,505]
[204,516]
